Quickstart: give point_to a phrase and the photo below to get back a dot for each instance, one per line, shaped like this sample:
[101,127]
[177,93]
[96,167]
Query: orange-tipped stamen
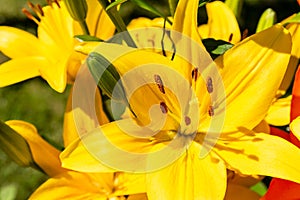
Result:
[30,16]
[40,9]
[245,34]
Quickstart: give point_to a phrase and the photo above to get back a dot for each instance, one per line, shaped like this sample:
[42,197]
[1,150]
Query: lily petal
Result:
[258,154]
[45,155]
[191,177]
[186,22]
[100,24]
[83,122]
[257,61]
[279,112]
[20,69]
[18,43]
[222,23]
[73,185]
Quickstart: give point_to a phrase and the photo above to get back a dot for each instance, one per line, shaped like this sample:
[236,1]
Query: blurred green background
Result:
[34,101]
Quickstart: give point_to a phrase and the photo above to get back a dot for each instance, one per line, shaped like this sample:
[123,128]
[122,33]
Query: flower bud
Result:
[77,9]
[106,76]
[266,20]
[15,146]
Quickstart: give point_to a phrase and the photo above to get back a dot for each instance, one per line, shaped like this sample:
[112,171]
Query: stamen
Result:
[159,83]
[40,9]
[195,74]
[57,3]
[230,37]
[245,34]
[187,120]
[209,85]
[30,16]
[30,5]
[49,2]
[211,111]
[163,107]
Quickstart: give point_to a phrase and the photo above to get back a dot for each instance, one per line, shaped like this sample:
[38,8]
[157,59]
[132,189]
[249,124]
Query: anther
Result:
[163,107]
[230,37]
[57,3]
[187,120]
[29,15]
[209,85]
[159,83]
[40,9]
[244,34]
[211,111]
[30,5]
[195,74]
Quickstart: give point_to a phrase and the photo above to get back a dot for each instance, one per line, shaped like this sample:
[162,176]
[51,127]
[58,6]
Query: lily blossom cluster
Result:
[159,108]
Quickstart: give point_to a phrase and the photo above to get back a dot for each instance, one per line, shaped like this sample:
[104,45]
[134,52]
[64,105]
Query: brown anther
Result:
[209,85]
[195,74]
[211,111]
[245,34]
[40,9]
[30,5]
[159,83]
[49,2]
[230,37]
[57,3]
[187,120]
[28,14]
[163,107]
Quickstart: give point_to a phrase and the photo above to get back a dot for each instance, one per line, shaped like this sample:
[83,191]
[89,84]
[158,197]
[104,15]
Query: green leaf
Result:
[294,19]
[267,19]
[203,2]
[143,4]
[87,38]
[216,47]
[115,3]
[8,192]
[259,188]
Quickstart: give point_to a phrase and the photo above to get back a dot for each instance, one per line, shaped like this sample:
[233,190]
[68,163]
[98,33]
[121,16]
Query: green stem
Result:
[118,22]
[84,27]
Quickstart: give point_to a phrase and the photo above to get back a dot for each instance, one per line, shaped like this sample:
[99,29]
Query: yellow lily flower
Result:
[257,61]
[66,184]
[222,23]
[51,55]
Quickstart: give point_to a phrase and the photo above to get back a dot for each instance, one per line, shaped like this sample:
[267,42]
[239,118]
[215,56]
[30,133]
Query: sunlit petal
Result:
[189,178]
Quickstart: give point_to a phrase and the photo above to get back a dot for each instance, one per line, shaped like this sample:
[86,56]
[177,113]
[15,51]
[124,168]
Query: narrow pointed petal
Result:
[20,69]
[186,22]
[45,155]
[295,132]
[18,43]
[73,185]
[55,75]
[257,61]
[192,178]
[261,154]
[115,144]
[222,23]
[279,112]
